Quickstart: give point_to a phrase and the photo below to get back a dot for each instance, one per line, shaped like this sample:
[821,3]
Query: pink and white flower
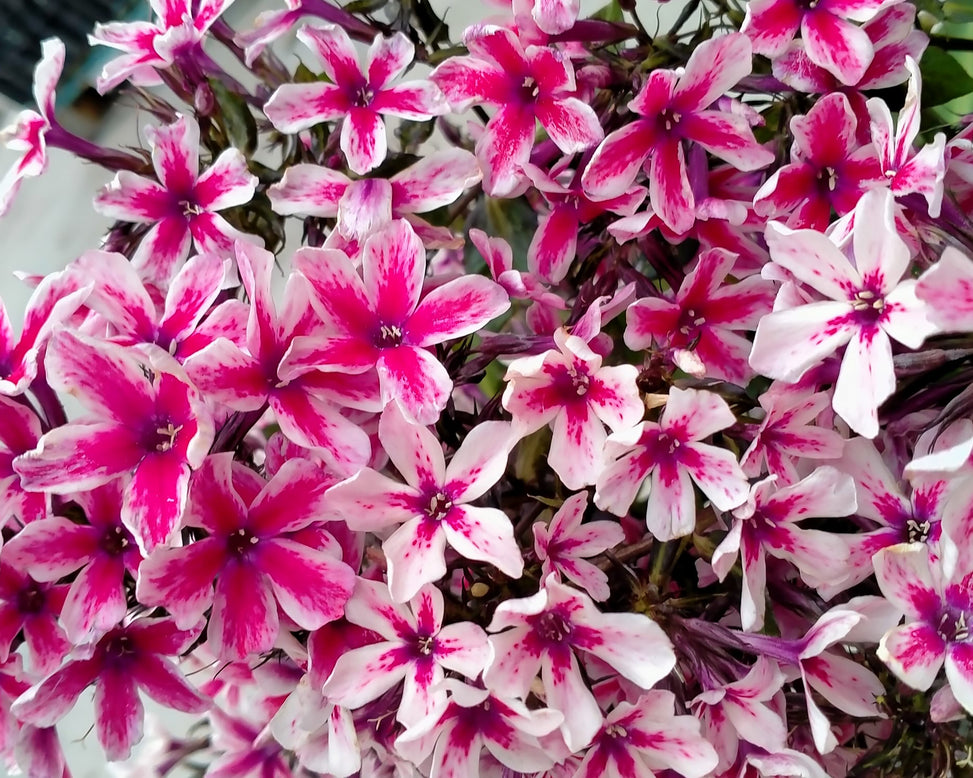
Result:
[526,85]
[864,305]
[664,458]
[571,390]
[678,108]
[360,96]
[264,549]
[27,134]
[143,418]
[183,204]
[431,507]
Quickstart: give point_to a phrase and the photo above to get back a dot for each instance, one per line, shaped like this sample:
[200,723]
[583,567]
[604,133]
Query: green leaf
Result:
[235,116]
[943,78]
[365,6]
[610,13]
[958,11]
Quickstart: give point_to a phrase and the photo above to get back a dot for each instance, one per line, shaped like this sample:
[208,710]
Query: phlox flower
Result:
[664,458]
[700,329]
[475,720]
[20,430]
[31,607]
[102,550]
[570,389]
[526,85]
[28,132]
[148,47]
[865,303]
[565,545]
[361,96]
[263,550]
[182,205]
[640,738]
[125,660]
[947,290]
[144,418]
[767,525]
[830,39]
[543,633]
[431,507]
[381,320]
[677,106]
[416,651]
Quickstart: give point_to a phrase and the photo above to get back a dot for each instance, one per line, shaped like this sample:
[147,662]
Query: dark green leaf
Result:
[235,116]
[364,6]
[943,78]
[958,11]
[610,13]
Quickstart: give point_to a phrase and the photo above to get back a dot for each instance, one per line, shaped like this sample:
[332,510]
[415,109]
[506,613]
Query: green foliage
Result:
[943,78]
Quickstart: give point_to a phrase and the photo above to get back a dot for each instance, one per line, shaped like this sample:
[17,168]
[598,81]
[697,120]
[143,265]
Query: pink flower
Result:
[379,321]
[31,607]
[893,35]
[669,453]
[767,525]
[638,739]
[416,651]
[55,300]
[565,544]
[541,634]
[360,95]
[307,406]
[535,84]
[909,171]
[20,430]
[27,133]
[865,304]
[677,108]
[431,506]
[831,41]
[474,720]
[785,435]
[182,205]
[364,206]
[102,551]
[700,328]
[739,711]
[555,242]
[125,660]
[829,168]
[144,419]
[571,390]
[179,30]
[262,549]
[123,299]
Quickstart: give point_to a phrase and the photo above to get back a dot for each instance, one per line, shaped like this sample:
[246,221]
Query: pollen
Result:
[169,433]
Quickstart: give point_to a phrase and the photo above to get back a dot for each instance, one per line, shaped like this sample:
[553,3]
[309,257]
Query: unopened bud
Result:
[204,100]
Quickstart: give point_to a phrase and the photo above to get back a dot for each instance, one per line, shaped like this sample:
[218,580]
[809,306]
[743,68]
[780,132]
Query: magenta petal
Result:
[77,457]
[290,501]
[181,579]
[51,548]
[310,586]
[175,154]
[728,137]
[415,451]
[96,600]
[45,704]
[191,294]
[308,189]
[554,245]
[415,100]
[132,198]
[296,107]
[914,652]
[363,140]
[484,534]
[387,58]
[155,499]
[244,618]
[415,553]
[959,673]
[617,160]
[669,190]
[715,66]
[393,266]
[572,124]
[226,183]
[504,146]
[416,379]
[457,308]
[163,683]
[118,713]
[838,46]
[435,180]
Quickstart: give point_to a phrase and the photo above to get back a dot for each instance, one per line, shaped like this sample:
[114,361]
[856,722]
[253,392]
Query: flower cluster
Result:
[577,401]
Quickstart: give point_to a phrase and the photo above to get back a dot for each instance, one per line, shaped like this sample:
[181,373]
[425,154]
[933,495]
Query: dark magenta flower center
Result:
[241,541]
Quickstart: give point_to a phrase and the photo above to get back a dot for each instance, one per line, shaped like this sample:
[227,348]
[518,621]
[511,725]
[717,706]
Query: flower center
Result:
[388,336]
[166,436]
[954,628]
[918,531]
[425,645]
[241,541]
[439,506]
[616,730]
[119,646]
[115,541]
[365,96]
[31,599]
[552,627]
[189,208]
[829,177]
[580,380]
[868,304]
[669,119]
[530,87]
